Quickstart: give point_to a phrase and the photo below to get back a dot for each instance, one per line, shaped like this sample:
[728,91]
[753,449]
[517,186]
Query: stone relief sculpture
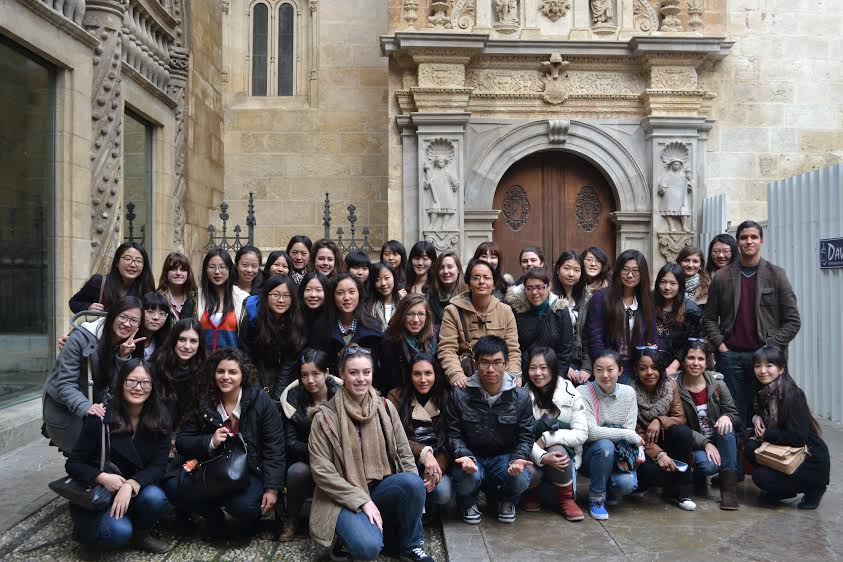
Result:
[410,13]
[554,79]
[441,184]
[674,187]
[463,13]
[506,16]
[644,16]
[669,10]
[554,9]
[602,11]
[440,18]
[695,13]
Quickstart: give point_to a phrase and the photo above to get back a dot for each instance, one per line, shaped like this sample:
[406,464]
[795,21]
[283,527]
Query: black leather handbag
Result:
[223,474]
[93,497]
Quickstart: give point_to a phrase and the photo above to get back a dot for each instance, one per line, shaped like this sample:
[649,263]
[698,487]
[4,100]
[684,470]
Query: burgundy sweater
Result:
[744,336]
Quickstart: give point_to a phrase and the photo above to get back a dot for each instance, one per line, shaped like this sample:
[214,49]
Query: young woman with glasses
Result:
[220,301]
[410,332]
[130,274]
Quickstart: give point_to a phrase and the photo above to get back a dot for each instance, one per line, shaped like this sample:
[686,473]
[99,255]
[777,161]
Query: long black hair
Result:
[438,394]
[154,300]
[274,334]
[323,363]
[153,417]
[614,318]
[419,249]
[209,292]
[579,286]
[400,272]
[332,315]
[490,247]
[677,307]
[113,282]
[790,399]
[374,272]
[306,242]
[311,315]
[605,266]
[544,396]
[108,344]
[256,282]
[167,360]
[272,258]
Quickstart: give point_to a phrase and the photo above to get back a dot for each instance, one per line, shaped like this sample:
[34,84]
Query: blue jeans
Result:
[491,475]
[727,446]
[400,499]
[244,505]
[442,493]
[598,463]
[739,376]
[143,512]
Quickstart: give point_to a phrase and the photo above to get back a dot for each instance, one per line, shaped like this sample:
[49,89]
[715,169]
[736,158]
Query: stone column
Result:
[633,232]
[410,177]
[179,61]
[477,228]
[103,19]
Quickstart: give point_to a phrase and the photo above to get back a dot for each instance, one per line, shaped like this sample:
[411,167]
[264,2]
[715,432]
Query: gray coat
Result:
[65,398]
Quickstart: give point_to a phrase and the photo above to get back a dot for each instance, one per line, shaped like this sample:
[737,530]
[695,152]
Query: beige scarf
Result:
[424,413]
[366,438]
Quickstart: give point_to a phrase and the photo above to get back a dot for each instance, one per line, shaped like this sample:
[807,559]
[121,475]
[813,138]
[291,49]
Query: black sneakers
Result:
[416,555]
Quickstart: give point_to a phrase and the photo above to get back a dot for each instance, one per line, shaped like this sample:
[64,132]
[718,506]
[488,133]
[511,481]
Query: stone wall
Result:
[778,112]
[329,137]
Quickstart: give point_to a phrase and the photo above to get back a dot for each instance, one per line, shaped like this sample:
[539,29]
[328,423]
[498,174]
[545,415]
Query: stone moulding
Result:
[57,18]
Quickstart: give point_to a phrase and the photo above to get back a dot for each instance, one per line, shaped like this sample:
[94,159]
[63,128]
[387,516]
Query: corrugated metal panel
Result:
[713,219]
[802,210]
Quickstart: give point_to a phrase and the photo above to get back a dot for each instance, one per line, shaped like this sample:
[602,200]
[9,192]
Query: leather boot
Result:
[567,504]
[532,500]
[288,533]
[729,490]
[811,498]
[143,540]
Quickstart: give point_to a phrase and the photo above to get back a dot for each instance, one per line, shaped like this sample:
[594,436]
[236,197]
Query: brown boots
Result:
[567,505]
[143,540]
[728,490]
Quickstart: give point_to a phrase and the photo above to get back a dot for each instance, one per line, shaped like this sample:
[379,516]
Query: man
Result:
[490,430]
[750,304]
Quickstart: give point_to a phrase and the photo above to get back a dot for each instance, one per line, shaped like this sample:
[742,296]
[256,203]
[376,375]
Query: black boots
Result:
[811,498]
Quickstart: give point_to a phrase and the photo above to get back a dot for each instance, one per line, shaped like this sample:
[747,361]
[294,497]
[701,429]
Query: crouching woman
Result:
[140,443]
[365,473]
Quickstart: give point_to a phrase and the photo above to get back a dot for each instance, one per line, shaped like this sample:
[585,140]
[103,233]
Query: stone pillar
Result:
[179,61]
[104,20]
[410,175]
[477,229]
[633,232]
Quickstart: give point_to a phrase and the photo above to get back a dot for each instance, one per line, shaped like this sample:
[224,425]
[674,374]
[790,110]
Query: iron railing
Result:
[130,226]
[352,245]
[223,240]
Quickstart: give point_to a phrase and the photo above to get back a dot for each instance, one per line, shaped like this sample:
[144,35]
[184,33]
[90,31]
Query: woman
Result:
[560,429]
[569,286]
[409,333]
[622,316]
[542,319]
[298,402]
[661,425]
[697,281]
[422,257]
[421,406]
[394,254]
[368,492]
[299,249]
[156,324]
[326,258]
[677,316]
[178,284]
[91,352]
[272,334]
[722,250]
[311,292]
[711,414]
[447,284]
[596,270]
[609,456]
[232,405]
[178,366]
[140,443]
[359,265]
[247,262]
[471,315]
[784,418]
[277,263]
[346,321]
[130,275]
[383,293]
[530,257]
[491,252]
[220,301]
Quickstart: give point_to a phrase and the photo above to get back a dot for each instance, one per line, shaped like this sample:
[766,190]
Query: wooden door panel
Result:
[588,204]
[519,196]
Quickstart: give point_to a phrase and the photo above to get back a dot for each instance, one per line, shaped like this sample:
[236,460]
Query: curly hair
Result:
[206,385]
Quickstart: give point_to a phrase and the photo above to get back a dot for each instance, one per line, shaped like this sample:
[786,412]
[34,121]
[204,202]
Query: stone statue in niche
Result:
[507,12]
[440,183]
[603,11]
[675,187]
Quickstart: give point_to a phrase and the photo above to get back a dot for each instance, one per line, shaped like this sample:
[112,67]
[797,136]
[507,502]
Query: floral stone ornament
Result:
[554,9]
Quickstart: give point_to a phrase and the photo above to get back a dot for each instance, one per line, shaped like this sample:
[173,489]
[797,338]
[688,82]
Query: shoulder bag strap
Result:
[464,328]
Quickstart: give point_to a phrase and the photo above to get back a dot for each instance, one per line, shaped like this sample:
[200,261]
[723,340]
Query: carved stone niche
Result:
[675,186]
[506,16]
[440,187]
[604,16]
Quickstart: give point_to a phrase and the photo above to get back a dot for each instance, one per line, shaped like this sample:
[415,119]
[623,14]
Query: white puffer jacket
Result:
[571,408]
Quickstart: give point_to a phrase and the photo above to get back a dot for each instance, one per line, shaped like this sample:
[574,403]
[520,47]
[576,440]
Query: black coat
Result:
[141,457]
[276,366]
[673,340]
[331,342]
[87,295]
[476,429]
[554,330]
[297,426]
[395,365]
[260,425]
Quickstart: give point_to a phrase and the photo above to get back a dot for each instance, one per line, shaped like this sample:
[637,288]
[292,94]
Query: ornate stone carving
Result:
[441,75]
[588,209]
[557,130]
[411,13]
[440,18]
[443,241]
[644,16]
[463,13]
[225,5]
[103,19]
[146,45]
[554,79]
[674,186]
[179,64]
[695,13]
[673,78]
[516,208]
[506,81]
[74,10]
[554,9]
[671,243]
[506,16]
[669,10]
[606,83]
[603,11]
[441,184]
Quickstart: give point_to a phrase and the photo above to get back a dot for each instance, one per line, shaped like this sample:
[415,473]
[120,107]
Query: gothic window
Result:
[286,70]
[260,49]
[274,38]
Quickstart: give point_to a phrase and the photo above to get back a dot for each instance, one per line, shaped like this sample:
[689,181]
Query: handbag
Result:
[467,364]
[219,476]
[92,497]
[781,458]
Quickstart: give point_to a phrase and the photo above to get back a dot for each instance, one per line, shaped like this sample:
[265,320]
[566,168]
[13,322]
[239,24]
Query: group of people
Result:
[378,392]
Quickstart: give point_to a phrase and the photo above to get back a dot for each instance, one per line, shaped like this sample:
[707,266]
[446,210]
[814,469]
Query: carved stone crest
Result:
[440,183]
[557,130]
[588,209]
[554,9]
[554,79]
[442,241]
[670,243]
[516,208]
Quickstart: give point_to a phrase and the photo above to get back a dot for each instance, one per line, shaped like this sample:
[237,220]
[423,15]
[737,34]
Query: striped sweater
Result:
[617,409]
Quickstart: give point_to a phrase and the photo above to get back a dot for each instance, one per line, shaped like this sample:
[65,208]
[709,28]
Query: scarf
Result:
[766,402]
[542,309]
[366,438]
[413,347]
[297,276]
[651,406]
[691,284]
[424,412]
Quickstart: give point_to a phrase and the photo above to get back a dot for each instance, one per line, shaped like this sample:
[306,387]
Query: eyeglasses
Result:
[591,260]
[486,278]
[129,260]
[355,351]
[418,315]
[155,313]
[535,288]
[724,253]
[700,340]
[217,268]
[135,383]
[497,364]
[643,347]
[630,272]
[280,296]
[130,320]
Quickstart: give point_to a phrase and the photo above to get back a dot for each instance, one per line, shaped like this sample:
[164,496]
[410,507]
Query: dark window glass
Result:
[137,180]
[260,48]
[27,159]
[285,50]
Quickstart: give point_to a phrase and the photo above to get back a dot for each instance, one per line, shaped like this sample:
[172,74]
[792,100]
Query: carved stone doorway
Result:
[554,200]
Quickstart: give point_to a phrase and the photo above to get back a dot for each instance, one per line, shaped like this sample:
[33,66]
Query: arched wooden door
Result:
[554,200]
